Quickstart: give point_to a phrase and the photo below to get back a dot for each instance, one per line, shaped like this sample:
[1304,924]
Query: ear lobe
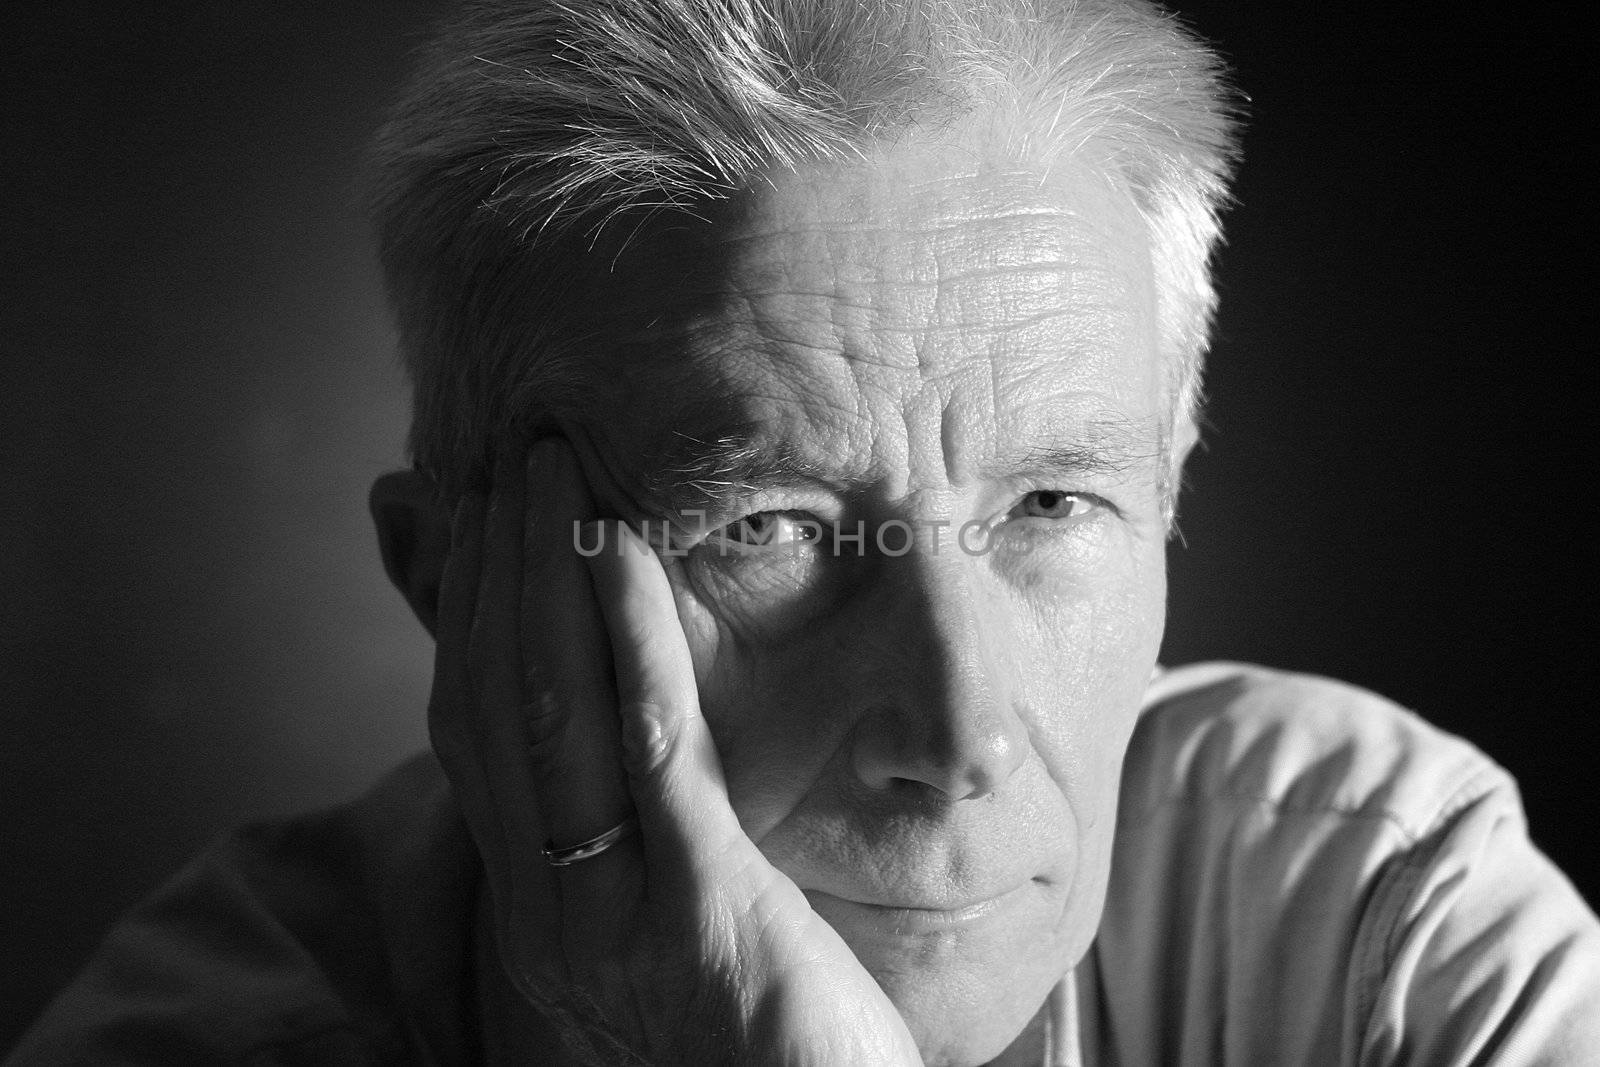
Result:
[414,538]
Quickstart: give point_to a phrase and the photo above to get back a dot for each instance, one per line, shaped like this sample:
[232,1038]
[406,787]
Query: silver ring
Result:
[563,857]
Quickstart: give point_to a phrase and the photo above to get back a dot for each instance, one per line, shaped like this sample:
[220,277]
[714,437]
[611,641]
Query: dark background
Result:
[198,385]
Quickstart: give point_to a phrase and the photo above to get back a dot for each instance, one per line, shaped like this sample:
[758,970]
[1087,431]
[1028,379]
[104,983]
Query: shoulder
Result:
[1279,839]
[1238,734]
[322,938]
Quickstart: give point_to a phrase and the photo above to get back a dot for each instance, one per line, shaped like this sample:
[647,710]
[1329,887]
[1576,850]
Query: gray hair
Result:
[532,124]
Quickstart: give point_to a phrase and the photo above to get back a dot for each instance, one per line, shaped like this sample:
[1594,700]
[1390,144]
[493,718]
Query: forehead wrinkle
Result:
[779,337]
[847,323]
[1045,263]
[710,469]
[961,327]
[715,238]
[953,313]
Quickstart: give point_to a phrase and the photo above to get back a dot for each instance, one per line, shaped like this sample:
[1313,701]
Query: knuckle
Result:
[544,717]
[646,740]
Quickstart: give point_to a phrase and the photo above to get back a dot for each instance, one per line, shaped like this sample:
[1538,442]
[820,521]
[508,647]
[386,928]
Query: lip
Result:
[903,918]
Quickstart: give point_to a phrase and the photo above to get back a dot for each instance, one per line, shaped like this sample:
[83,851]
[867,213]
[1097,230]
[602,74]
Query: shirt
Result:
[1302,873]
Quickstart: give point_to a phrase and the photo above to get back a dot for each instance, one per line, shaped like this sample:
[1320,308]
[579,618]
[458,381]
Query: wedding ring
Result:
[562,857]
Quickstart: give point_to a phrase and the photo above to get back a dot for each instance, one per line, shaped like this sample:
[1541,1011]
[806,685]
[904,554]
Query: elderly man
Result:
[802,388]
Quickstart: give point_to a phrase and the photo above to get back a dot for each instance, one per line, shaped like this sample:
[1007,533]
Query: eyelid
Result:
[695,527]
[1045,484]
[782,501]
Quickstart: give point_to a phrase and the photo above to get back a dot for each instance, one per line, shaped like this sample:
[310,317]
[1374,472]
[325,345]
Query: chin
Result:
[966,998]
[966,1023]
[967,982]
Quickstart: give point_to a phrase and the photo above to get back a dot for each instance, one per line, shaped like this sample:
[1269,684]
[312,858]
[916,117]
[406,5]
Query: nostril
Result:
[959,760]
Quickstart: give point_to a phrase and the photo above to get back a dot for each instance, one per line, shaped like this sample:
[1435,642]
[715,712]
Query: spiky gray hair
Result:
[532,123]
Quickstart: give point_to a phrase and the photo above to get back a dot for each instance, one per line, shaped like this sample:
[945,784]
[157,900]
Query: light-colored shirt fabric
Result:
[1303,873]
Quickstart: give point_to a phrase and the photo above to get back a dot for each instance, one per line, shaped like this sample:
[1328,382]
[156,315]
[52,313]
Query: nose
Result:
[945,718]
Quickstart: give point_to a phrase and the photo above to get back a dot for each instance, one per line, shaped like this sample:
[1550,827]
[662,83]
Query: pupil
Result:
[756,527]
[1049,500]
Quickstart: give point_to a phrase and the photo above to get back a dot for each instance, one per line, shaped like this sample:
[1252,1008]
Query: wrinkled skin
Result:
[921,739]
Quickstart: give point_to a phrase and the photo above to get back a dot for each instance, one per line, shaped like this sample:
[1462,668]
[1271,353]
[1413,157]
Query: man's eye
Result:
[765,529]
[1056,504]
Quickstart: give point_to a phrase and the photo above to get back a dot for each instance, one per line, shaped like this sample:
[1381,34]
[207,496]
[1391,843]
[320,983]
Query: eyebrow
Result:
[1115,445]
[709,474]
[698,473]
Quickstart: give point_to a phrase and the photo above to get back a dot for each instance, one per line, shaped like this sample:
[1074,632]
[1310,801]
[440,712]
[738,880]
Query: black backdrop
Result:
[198,385]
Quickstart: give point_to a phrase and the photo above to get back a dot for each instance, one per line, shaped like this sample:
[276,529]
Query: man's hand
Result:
[564,700]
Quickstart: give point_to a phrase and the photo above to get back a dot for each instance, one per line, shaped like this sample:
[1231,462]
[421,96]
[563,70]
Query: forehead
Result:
[912,319]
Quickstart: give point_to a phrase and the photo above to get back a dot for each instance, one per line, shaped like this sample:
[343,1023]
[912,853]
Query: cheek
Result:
[775,721]
[768,598]
[1086,653]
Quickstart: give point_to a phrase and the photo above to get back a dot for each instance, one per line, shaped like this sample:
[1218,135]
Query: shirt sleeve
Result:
[1479,950]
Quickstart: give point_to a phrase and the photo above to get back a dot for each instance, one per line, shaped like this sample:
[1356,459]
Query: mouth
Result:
[914,917]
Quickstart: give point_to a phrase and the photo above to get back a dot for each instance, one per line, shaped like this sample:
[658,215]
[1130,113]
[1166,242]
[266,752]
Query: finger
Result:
[527,901]
[450,707]
[674,772]
[496,653]
[458,596]
[569,709]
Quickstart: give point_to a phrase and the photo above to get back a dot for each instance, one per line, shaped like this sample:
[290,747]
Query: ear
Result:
[414,537]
